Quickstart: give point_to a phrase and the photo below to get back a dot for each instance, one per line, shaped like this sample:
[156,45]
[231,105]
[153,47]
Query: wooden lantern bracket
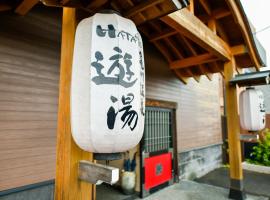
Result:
[96,173]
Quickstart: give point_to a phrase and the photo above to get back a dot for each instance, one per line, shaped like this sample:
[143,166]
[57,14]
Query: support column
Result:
[233,126]
[67,184]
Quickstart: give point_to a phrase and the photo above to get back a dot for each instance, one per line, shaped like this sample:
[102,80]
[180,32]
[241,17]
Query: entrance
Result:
[159,167]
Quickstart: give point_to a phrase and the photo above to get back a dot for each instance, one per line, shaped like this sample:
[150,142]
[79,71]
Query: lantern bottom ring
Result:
[107,156]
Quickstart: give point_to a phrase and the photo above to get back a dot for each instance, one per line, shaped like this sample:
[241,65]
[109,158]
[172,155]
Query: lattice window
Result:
[158,129]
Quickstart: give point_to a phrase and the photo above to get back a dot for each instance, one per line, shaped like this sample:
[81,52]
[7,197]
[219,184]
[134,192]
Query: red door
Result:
[158,170]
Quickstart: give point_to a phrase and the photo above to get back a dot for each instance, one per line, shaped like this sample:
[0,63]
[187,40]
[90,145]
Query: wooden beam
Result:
[220,13]
[191,61]
[212,25]
[191,6]
[222,32]
[172,46]
[206,6]
[205,72]
[217,68]
[200,67]
[164,52]
[233,128]
[162,35]
[25,6]
[191,74]
[141,7]
[215,14]
[67,184]
[239,19]
[181,77]
[239,50]
[192,28]
[95,173]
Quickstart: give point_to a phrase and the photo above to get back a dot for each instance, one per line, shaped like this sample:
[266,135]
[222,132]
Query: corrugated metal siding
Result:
[29,74]
[198,113]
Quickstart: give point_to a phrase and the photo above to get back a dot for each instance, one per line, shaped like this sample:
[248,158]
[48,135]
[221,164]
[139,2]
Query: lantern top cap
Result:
[251,79]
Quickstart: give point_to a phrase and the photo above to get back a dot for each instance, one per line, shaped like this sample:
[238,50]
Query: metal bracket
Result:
[97,173]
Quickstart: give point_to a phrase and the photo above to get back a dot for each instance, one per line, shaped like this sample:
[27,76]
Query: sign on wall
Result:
[108,84]
[252,109]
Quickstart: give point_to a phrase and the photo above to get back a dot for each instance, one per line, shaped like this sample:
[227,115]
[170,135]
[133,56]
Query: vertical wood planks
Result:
[67,185]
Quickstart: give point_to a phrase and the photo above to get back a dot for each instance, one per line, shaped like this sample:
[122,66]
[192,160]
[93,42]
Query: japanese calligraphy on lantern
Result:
[108,84]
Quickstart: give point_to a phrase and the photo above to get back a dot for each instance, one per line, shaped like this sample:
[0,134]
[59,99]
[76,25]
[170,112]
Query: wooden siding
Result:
[29,74]
[198,112]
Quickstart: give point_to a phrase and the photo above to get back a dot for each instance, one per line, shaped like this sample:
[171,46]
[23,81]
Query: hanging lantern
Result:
[252,109]
[107,87]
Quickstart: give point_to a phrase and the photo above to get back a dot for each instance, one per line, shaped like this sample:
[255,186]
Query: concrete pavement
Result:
[254,183]
[189,190]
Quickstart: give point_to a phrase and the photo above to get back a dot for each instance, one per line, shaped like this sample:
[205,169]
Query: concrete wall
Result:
[198,162]
[34,192]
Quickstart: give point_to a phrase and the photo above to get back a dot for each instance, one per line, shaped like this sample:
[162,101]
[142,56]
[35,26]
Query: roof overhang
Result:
[195,41]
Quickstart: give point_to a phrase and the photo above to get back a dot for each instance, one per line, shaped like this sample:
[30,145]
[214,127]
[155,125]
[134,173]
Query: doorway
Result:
[158,148]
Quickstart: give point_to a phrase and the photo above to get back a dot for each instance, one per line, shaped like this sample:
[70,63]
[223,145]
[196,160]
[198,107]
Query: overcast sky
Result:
[259,14]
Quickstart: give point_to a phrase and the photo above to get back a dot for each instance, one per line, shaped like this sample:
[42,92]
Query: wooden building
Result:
[186,51]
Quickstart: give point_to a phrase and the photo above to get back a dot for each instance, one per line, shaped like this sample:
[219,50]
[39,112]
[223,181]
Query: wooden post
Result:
[67,184]
[233,126]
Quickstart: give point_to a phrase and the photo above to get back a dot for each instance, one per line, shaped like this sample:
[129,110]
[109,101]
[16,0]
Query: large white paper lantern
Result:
[252,109]
[107,87]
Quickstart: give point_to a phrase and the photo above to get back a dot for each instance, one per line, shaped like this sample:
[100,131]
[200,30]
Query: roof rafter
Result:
[239,50]
[191,61]
[25,6]
[162,35]
[206,6]
[192,50]
[141,7]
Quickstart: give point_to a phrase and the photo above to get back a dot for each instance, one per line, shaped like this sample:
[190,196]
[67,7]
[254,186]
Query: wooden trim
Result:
[25,6]
[175,150]
[191,61]
[67,184]
[191,27]
[233,127]
[161,103]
